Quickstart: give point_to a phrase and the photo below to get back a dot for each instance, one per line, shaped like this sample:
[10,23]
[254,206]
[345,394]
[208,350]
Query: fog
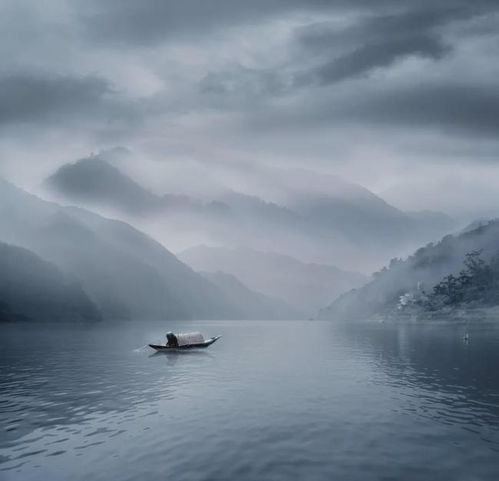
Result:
[368,91]
[337,135]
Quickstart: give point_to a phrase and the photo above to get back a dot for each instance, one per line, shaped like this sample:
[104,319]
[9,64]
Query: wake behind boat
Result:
[183,341]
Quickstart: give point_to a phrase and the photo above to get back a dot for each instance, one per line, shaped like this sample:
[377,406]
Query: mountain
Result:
[93,180]
[447,272]
[342,223]
[253,305]
[126,273]
[33,289]
[354,231]
[303,286]
[368,222]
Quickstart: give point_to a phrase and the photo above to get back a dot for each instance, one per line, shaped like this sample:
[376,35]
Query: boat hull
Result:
[202,345]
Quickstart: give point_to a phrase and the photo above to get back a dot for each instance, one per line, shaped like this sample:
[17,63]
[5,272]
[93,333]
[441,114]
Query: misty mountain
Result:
[126,273]
[93,181]
[350,227]
[253,305]
[345,225]
[33,289]
[323,218]
[303,286]
[407,279]
[367,221]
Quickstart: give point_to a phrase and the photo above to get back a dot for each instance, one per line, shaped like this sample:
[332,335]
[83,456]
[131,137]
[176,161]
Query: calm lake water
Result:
[269,401]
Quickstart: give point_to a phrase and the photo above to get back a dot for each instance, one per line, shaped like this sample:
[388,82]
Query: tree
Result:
[476,282]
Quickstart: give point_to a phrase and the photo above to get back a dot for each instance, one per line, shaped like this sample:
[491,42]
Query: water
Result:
[269,401]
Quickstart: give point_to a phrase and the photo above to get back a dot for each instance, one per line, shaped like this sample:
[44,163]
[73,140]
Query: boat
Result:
[184,341]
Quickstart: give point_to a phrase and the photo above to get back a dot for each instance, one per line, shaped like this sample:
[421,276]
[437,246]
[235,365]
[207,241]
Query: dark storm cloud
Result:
[375,42]
[377,55]
[451,107]
[194,74]
[151,21]
[328,52]
[32,97]
[351,40]
[471,109]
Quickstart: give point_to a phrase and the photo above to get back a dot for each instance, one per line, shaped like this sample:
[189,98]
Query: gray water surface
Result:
[269,401]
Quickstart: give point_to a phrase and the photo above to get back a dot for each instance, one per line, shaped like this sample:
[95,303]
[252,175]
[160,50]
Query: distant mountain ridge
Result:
[347,225]
[254,304]
[303,286]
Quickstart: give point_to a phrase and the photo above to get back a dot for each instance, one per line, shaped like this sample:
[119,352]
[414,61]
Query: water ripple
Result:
[351,403]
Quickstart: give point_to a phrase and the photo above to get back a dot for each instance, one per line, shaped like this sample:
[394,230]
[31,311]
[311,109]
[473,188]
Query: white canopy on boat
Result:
[189,338]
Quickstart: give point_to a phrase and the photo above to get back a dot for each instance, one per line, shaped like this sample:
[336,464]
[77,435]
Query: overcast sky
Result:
[398,95]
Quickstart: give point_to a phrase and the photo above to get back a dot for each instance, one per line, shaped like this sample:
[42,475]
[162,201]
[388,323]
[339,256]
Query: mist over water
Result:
[270,400]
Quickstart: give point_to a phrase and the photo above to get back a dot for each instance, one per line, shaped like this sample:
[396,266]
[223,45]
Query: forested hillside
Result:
[459,272]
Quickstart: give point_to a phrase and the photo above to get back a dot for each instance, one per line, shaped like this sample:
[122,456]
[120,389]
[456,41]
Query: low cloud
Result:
[374,42]
[33,98]
[464,108]
[269,82]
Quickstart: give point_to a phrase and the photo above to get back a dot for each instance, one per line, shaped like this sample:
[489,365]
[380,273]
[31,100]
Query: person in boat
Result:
[171,340]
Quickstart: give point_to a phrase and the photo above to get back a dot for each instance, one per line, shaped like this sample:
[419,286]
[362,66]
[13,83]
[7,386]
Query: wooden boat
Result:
[197,345]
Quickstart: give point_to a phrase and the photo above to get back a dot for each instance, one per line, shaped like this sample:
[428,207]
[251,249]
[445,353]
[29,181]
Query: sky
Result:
[399,96]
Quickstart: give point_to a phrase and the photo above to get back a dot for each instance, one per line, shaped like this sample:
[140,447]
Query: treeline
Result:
[476,284]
